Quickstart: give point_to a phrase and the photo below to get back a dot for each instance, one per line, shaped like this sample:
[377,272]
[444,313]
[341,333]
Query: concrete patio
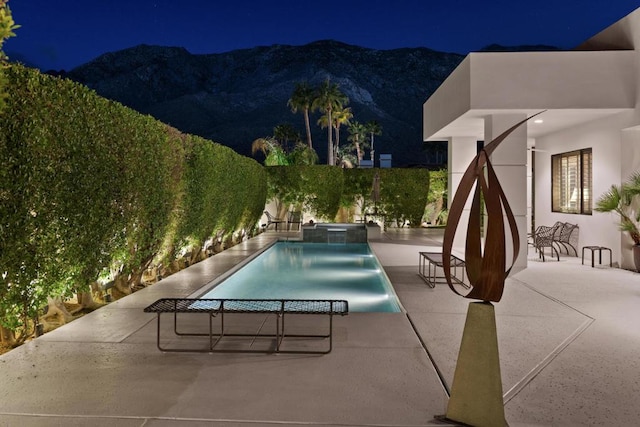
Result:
[568,335]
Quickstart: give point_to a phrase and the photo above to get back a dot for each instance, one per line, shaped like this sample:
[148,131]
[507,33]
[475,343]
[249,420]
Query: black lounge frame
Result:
[218,307]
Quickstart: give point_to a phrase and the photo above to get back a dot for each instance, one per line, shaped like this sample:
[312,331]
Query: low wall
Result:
[334,233]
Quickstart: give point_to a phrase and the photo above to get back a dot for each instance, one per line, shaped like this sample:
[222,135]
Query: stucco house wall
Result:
[604,138]
[591,98]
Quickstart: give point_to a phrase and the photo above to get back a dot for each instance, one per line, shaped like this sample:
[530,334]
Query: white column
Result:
[510,163]
[461,152]
[530,143]
[629,163]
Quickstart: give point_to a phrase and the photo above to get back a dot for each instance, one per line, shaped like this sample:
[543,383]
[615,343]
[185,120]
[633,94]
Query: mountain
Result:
[235,97]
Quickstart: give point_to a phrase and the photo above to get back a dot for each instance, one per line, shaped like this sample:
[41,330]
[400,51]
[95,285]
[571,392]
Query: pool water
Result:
[295,270]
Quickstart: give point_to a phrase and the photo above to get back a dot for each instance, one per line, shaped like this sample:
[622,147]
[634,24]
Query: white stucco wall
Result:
[592,98]
[552,80]
[489,83]
[616,149]
[624,34]
[449,101]
[604,138]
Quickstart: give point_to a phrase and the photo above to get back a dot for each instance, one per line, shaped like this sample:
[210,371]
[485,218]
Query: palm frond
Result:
[622,199]
[609,201]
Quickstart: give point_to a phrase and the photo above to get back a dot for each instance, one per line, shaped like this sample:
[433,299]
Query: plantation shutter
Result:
[571,182]
[586,182]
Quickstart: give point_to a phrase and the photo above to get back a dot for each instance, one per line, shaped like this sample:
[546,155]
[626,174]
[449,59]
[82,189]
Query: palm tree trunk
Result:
[308,127]
[337,144]
[372,151]
[329,139]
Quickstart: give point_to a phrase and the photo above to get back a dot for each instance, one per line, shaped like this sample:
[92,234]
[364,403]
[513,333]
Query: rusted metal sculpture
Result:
[486,271]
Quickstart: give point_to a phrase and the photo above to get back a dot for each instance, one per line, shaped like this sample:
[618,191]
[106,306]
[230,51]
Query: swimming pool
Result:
[295,270]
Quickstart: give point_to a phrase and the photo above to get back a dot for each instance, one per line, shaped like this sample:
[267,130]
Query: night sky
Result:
[62,34]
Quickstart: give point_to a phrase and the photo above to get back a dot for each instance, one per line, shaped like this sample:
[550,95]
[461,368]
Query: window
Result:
[571,182]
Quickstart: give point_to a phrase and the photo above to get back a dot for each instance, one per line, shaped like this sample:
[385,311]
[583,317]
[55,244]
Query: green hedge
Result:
[317,188]
[89,187]
[221,185]
[436,212]
[404,194]
[324,189]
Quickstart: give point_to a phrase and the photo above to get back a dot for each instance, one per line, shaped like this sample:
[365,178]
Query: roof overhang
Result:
[573,87]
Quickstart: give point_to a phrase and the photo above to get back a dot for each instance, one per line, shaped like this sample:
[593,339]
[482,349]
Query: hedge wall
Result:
[89,188]
[404,194]
[324,189]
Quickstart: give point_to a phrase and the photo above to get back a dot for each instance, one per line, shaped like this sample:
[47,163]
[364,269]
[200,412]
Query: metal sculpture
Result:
[486,271]
[476,392]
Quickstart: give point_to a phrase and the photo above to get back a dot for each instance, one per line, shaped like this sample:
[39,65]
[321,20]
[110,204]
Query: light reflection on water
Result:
[297,270]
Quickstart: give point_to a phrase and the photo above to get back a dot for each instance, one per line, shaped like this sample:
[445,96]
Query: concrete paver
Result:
[568,338]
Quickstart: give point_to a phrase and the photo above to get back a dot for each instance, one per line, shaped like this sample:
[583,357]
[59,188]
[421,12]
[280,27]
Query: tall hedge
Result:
[358,184]
[324,189]
[317,187]
[220,185]
[89,187]
[404,194]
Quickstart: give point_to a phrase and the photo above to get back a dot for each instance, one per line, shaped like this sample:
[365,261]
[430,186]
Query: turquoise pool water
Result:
[296,270]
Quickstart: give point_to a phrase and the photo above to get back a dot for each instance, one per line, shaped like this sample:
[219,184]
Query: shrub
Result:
[89,187]
[324,189]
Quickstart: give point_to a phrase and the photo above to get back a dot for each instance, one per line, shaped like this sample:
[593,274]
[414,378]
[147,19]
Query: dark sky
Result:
[61,34]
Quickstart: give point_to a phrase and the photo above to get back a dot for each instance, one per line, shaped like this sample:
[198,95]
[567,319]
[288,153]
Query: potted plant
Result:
[622,200]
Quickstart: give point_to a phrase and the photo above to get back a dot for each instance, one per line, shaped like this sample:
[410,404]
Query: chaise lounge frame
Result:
[219,307]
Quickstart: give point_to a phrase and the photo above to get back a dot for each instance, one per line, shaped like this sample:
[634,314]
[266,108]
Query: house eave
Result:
[573,87]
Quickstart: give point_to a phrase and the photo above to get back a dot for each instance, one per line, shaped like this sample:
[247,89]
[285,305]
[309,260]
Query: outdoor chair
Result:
[563,235]
[543,238]
[272,220]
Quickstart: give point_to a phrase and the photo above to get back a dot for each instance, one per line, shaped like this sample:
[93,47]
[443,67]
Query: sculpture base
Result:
[476,393]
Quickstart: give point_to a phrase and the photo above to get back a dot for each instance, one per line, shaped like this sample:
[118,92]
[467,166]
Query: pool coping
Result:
[224,276]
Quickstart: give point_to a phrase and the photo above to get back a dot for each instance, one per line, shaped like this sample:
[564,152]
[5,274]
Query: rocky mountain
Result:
[233,98]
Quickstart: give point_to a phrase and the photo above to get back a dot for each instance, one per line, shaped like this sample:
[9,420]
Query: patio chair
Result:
[563,235]
[272,220]
[543,237]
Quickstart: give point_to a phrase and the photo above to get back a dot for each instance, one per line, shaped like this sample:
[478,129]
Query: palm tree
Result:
[285,133]
[341,116]
[345,159]
[357,132]
[373,128]
[328,97]
[301,100]
[623,201]
[274,153]
[302,155]
[620,199]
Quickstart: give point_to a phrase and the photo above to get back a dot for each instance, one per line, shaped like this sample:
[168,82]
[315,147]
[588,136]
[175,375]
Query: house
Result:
[555,166]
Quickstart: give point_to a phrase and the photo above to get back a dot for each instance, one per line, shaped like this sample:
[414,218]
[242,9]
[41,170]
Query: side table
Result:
[599,249]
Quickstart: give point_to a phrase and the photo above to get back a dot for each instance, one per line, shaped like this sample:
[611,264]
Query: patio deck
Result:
[568,337]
